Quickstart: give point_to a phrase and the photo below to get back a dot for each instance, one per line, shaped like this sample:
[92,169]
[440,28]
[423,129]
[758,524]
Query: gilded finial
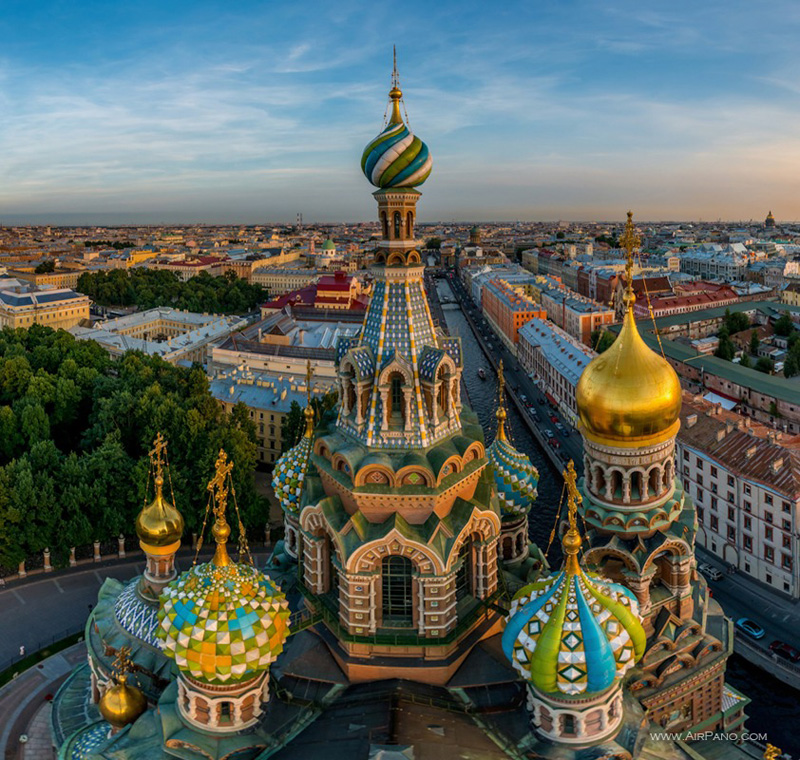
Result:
[308,412]
[159,524]
[122,663]
[157,454]
[772,752]
[572,538]
[218,486]
[629,241]
[501,412]
[395,94]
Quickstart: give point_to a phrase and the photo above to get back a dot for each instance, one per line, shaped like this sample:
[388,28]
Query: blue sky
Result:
[252,111]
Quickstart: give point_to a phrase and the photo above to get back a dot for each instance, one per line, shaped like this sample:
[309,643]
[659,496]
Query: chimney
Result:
[751,451]
[776,465]
[721,433]
[729,426]
[691,420]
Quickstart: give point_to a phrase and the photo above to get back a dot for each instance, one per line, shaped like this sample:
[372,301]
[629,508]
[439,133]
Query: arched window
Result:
[636,486]
[398,602]
[397,222]
[396,402]
[410,224]
[225,715]
[464,571]
[568,725]
[385,225]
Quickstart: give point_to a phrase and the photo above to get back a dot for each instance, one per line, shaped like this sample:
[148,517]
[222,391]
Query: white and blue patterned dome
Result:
[573,632]
[396,157]
[292,467]
[515,476]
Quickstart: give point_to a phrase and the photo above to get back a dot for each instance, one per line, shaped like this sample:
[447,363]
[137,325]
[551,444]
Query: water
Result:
[774,709]
[483,400]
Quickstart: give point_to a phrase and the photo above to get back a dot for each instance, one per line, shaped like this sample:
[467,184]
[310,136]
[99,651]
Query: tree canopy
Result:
[147,288]
[75,431]
[602,340]
[46,266]
[783,325]
[736,321]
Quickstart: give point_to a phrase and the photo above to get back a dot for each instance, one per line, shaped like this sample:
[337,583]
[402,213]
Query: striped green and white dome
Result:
[573,633]
[514,475]
[396,157]
[291,468]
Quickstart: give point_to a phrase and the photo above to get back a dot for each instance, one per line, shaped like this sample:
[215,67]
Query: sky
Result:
[249,112]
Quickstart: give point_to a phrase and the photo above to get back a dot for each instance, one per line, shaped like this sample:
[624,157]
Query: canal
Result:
[775,708]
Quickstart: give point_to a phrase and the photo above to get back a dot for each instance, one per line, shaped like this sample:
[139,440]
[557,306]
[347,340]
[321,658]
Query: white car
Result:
[710,572]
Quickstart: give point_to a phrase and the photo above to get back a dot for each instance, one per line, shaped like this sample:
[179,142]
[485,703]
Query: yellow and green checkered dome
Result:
[573,632]
[223,624]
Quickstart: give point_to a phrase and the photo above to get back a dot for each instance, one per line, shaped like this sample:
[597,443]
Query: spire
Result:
[630,241]
[572,538]
[159,524]
[501,411]
[309,412]
[395,93]
[218,486]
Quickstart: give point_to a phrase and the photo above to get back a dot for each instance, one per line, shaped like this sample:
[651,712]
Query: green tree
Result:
[754,342]
[292,426]
[46,266]
[745,361]
[602,340]
[765,364]
[433,243]
[725,350]
[783,325]
[735,322]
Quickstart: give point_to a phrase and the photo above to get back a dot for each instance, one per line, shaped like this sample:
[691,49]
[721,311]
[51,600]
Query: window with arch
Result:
[225,713]
[396,402]
[385,225]
[464,571]
[409,224]
[397,586]
[397,225]
[568,724]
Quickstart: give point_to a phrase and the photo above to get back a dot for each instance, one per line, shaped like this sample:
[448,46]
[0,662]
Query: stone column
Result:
[48,568]
[640,585]
[626,488]
[407,406]
[609,476]
[21,570]
[72,560]
[384,391]
[434,405]
[359,406]
[96,546]
[121,544]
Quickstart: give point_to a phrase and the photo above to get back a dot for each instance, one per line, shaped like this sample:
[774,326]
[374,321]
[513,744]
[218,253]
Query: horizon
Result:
[563,111]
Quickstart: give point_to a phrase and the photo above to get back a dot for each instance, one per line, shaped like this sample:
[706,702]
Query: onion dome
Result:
[573,632]
[396,157]
[223,622]
[159,525]
[514,475]
[292,467]
[122,704]
[328,245]
[629,395]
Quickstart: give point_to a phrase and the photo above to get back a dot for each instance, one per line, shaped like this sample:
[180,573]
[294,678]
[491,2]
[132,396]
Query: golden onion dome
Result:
[159,524]
[122,703]
[629,395]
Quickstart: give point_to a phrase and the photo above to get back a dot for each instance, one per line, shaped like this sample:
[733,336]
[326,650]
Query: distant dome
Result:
[328,245]
[514,475]
[292,467]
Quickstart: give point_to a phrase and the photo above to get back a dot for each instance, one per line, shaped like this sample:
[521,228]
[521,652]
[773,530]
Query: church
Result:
[406,613]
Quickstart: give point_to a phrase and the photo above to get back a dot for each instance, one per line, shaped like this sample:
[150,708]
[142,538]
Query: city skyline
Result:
[188,114]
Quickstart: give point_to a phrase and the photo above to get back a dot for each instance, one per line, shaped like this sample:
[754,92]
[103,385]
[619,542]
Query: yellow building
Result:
[58,308]
[61,278]
[280,281]
[791,295]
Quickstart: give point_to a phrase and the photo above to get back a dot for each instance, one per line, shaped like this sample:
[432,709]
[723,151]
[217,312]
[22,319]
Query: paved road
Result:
[519,382]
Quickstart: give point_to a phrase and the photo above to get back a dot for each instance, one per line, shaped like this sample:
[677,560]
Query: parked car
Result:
[784,650]
[554,419]
[560,427]
[750,627]
[548,434]
[540,400]
[710,572]
[523,398]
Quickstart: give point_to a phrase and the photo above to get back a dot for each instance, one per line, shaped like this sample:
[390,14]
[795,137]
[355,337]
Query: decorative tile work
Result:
[514,475]
[223,624]
[573,633]
[89,741]
[290,472]
[136,616]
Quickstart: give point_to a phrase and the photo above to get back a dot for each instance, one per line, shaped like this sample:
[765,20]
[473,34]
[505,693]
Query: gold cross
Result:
[501,381]
[629,241]
[122,662]
[574,497]
[771,752]
[157,454]
[309,375]
[218,484]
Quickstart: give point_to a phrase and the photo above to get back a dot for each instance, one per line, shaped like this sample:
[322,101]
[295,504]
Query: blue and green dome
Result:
[573,632]
[515,476]
[396,157]
[292,467]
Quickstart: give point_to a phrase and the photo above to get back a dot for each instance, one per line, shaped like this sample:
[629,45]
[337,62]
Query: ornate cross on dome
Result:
[629,241]
[218,486]
[501,412]
[122,663]
[395,94]
[572,539]
[157,454]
